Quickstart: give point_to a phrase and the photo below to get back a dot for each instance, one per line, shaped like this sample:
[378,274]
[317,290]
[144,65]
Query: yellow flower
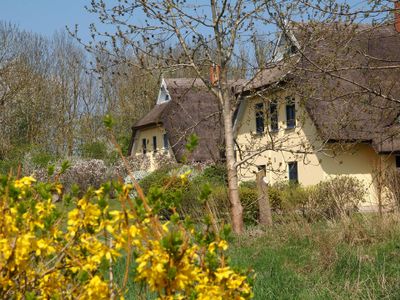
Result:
[127,188]
[5,250]
[96,289]
[223,245]
[24,182]
[44,246]
[184,176]
[99,192]
[58,188]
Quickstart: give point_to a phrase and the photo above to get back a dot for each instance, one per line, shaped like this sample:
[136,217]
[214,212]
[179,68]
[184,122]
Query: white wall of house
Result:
[152,155]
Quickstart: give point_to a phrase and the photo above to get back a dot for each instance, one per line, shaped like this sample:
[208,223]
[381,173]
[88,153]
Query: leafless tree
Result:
[212,34]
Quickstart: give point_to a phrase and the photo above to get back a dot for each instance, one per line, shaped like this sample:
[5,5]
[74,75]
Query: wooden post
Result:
[263,200]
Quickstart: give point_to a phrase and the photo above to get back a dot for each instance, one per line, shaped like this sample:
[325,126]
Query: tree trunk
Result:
[236,206]
[263,200]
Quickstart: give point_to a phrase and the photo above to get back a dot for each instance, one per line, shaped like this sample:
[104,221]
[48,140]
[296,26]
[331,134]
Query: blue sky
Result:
[47,16]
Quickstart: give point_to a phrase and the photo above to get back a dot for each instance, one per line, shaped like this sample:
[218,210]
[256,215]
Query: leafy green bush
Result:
[96,150]
[215,174]
[287,196]
[335,198]
[156,179]
[249,198]
[42,159]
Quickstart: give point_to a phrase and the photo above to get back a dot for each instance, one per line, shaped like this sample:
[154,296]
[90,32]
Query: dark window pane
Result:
[144,146]
[290,113]
[259,118]
[293,174]
[262,168]
[154,143]
[165,137]
[273,110]
[398,161]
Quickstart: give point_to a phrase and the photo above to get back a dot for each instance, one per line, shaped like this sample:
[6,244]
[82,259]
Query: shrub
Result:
[249,199]
[392,184]
[335,198]
[217,204]
[43,255]
[215,174]
[287,196]
[330,199]
[157,178]
[95,150]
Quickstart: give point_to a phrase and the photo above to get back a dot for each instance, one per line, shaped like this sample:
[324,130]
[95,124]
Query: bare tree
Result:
[213,34]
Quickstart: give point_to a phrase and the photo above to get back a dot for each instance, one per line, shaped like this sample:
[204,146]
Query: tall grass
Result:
[356,258]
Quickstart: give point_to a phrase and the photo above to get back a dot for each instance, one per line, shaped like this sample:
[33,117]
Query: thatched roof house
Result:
[348,78]
[185,106]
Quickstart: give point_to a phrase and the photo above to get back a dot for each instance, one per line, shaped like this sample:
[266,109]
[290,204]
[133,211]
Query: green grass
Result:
[357,259]
[350,259]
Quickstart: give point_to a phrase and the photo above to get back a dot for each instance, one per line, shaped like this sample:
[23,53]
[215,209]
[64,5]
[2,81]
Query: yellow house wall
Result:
[320,162]
[285,141]
[151,158]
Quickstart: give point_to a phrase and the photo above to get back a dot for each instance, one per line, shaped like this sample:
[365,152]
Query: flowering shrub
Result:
[49,253]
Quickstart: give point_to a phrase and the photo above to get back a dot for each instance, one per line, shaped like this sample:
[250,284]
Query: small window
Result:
[262,168]
[144,146]
[259,118]
[293,173]
[166,97]
[290,112]
[397,161]
[154,143]
[273,111]
[165,138]
[293,49]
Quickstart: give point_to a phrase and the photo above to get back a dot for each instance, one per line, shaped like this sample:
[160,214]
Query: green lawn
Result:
[353,259]
[358,259]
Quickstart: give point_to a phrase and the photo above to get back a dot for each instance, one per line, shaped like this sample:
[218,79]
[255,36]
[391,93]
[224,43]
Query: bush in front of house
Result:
[332,199]
[215,174]
[335,198]
[391,185]
[249,197]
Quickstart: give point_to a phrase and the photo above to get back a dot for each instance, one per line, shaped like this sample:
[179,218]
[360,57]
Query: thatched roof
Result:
[153,117]
[192,109]
[357,100]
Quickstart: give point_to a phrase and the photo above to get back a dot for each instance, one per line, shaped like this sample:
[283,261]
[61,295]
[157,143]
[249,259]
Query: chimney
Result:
[214,74]
[397,16]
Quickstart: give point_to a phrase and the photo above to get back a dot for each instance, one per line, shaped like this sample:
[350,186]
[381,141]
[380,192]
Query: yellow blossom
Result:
[24,182]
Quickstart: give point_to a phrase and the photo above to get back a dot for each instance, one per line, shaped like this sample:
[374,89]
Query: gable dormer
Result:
[286,45]
[163,95]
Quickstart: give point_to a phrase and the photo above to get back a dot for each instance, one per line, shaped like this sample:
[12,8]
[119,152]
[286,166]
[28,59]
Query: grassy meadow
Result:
[356,258]
[348,259]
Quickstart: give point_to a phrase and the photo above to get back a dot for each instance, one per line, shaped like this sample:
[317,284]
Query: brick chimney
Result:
[214,74]
[397,16]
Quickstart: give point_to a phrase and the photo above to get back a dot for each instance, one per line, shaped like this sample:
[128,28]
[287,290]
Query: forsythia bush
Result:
[47,252]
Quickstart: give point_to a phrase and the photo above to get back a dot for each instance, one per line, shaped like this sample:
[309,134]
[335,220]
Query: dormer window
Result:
[398,162]
[163,95]
[293,49]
